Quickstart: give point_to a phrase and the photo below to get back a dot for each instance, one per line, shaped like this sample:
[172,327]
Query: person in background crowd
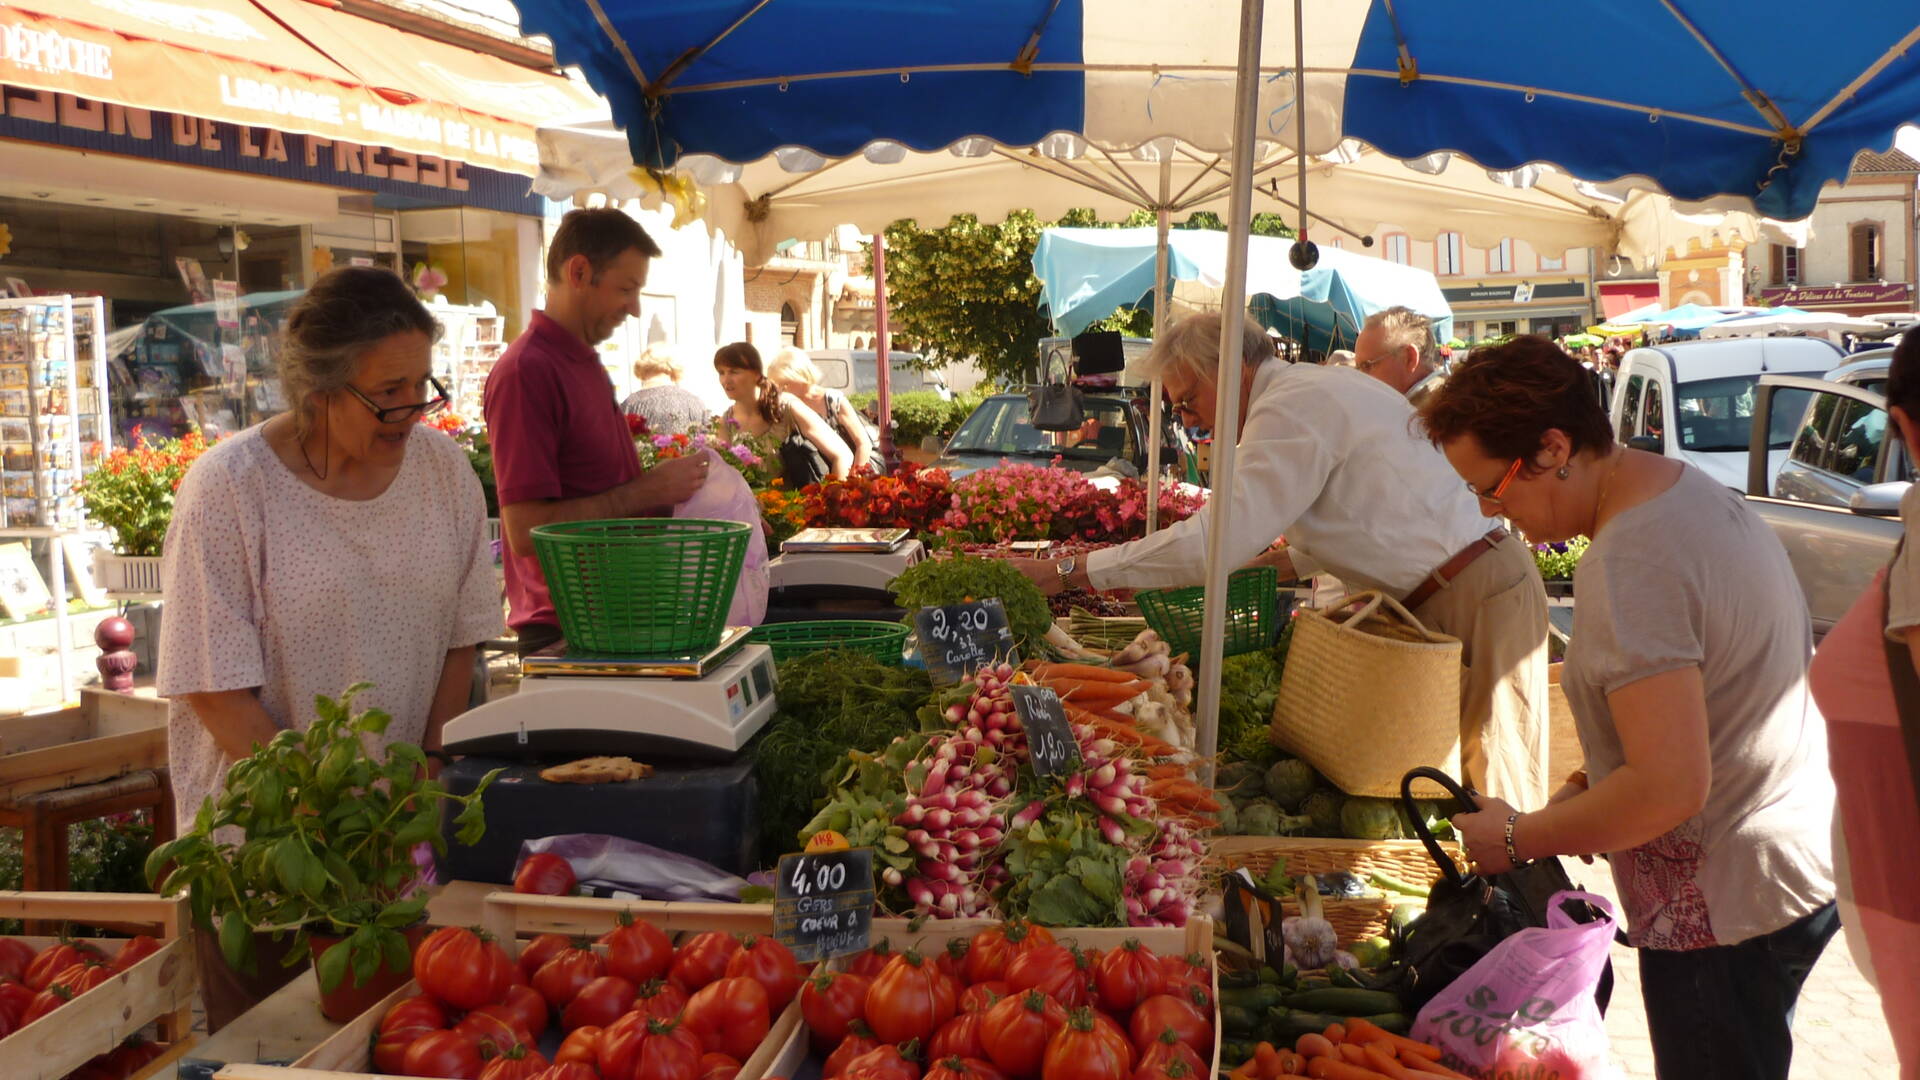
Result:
[561,448]
[794,372]
[1706,766]
[810,451]
[666,406]
[1866,679]
[339,542]
[1396,346]
[1328,458]
[1340,358]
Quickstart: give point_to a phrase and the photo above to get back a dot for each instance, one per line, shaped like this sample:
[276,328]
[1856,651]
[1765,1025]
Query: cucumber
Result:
[1270,977]
[1239,1021]
[1345,1001]
[1393,884]
[1396,1022]
[1285,1026]
[1340,976]
[1238,980]
[1234,1053]
[1255,999]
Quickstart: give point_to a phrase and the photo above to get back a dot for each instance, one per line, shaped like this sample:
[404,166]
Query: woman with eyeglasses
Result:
[1706,778]
[337,543]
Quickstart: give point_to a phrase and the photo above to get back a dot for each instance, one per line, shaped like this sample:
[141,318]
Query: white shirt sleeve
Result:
[210,638]
[1287,450]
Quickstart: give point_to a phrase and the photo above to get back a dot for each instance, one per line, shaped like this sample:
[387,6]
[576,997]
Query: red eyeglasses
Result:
[1499,489]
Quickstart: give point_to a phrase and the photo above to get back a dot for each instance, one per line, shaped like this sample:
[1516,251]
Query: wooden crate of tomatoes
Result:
[79,1007]
[969,999]
[576,988]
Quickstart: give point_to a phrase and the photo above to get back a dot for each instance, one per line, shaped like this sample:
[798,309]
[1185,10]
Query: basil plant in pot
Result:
[314,836]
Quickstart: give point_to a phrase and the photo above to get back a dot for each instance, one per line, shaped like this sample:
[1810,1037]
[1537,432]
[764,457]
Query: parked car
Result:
[1117,428]
[857,371]
[1694,401]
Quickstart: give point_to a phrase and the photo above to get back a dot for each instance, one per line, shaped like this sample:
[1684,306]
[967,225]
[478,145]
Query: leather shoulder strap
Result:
[1906,682]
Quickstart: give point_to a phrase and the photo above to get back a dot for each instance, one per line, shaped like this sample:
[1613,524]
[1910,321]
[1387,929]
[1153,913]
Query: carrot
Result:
[1326,1068]
[1312,1045]
[1120,733]
[1423,1068]
[1166,772]
[1083,672]
[1291,1062]
[1266,1060]
[1354,1054]
[1336,1032]
[1363,1031]
[1381,1060]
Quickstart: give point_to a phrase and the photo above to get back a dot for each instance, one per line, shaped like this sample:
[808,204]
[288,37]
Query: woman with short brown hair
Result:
[1706,771]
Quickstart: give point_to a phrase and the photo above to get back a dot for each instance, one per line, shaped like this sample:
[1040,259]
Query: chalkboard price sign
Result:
[1049,738]
[957,640]
[823,903]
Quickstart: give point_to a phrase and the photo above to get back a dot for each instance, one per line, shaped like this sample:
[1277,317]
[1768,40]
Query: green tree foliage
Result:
[966,290]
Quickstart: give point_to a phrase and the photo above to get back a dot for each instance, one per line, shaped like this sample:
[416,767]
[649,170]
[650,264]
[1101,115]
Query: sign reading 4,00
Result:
[823,903]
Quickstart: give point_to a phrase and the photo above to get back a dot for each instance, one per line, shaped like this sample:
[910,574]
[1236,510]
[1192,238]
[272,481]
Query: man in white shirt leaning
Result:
[1396,346]
[1331,458]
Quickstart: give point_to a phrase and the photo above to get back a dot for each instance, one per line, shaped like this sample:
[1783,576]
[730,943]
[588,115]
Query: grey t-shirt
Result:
[1693,577]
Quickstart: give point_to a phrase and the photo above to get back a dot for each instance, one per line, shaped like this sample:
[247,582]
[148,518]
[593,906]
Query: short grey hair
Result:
[1404,326]
[345,313]
[1193,344]
[660,358]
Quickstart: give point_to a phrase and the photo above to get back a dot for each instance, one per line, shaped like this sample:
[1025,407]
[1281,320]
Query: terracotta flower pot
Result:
[348,1000]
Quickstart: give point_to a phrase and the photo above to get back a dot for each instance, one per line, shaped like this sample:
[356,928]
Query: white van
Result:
[1693,401]
[857,371]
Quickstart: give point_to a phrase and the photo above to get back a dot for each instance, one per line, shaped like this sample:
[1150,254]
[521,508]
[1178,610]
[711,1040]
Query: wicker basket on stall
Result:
[1352,920]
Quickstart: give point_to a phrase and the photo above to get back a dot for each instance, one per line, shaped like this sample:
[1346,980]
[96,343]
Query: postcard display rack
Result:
[471,339]
[53,405]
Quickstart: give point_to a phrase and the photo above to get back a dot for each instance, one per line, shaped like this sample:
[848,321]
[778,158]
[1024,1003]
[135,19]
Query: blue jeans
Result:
[1726,1013]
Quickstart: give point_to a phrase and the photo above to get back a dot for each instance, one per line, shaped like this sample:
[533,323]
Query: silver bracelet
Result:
[1513,858]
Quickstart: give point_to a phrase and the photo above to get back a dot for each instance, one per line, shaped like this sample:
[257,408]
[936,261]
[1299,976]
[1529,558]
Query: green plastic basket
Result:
[884,641]
[1253,620]
[642,586]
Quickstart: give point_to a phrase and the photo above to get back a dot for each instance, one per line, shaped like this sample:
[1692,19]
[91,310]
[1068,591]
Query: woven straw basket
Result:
[1352,920]
[1368,693]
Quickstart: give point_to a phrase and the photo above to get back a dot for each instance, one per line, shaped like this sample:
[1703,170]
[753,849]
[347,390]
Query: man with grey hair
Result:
[1396,346]
[1330,458]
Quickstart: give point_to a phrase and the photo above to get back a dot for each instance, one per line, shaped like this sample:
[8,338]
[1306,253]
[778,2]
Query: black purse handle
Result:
[1428,772]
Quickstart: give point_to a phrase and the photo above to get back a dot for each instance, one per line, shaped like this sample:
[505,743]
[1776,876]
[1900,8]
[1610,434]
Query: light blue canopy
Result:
[1755,101]
[1684,317]
[1088,274]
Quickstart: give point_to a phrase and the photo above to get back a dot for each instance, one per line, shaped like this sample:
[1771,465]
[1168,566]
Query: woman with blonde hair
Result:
[666,406]
[810,451]
[794,372]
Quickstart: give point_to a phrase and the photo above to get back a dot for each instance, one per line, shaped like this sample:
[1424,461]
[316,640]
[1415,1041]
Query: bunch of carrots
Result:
[1093,696]
[1355,1050]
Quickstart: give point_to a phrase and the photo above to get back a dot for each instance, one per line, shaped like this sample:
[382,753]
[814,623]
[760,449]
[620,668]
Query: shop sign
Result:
[1525,292]
[66,120]
[53,53]
[1895,293]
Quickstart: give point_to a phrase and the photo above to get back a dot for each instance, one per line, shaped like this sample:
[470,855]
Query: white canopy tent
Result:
[1767,324]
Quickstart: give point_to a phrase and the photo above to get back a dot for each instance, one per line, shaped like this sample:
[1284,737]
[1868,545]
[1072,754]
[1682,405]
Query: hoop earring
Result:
[1562,472]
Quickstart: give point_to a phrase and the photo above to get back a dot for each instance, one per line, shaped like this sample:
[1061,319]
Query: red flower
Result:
[636,425]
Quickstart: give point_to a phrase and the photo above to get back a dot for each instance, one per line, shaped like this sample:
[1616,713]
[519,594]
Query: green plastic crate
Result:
[1253,620]
[884,641]
[642,586]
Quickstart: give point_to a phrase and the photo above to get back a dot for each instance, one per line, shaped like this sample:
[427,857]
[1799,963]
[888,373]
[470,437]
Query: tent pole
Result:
[1156,415]
[883,376]
[1226,424]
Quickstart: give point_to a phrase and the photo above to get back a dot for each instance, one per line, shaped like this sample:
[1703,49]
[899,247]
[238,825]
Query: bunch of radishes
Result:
[1107,780]
[1162,887]
[954,822]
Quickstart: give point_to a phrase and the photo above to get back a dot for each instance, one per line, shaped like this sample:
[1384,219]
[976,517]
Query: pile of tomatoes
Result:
[642,1011]
[36,983]
[1012,1003]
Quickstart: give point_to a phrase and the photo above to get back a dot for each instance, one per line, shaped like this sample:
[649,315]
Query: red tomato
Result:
[910,1000]
[1164,1051]
[992,949]
[718,1067]
[660,999]
[560,978]
[859,1040]
[958,1038]
[540,950]
[640,1048]
[1183,1014]
[982,996]
[135,950]
[456,966]
[528,1006]
[55,959]
[446,1054]
[638,952]
[15,955]
[1110,1028]
[1080,1052]
[415,1016]
[580,1045]
[131,1056]
[82,977]
[45,1002]
[953,960]
[770,964]
[1191,969]
[882,1063]
[703,959]
[518,1063]
[493,1029]
[731,1016]
[598,1003]
[1057,971]
[571,1070]
[829,1002]
[964,1068]
[1015,1032]
[6,1024]
[544,873]
[1126,976]
[14,999]
[872,962]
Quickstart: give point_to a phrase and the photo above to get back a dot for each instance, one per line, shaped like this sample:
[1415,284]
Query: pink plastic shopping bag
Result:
[1526,1010]
[726,497]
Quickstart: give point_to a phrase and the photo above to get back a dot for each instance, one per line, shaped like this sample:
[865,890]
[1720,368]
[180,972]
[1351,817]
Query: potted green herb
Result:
[324,852]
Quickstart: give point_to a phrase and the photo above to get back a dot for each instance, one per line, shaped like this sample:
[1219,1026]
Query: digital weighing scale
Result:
[699,707]
[844,558]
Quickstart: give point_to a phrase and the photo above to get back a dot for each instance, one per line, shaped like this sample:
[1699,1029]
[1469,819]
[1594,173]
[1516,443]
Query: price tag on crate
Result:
[1049,737]
[957,640]
[823,903]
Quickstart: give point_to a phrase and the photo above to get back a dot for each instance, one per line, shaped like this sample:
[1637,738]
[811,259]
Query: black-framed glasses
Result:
[396,414]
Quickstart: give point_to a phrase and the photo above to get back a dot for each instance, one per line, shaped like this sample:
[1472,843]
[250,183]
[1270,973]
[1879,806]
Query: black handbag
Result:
[1056,406]
[1468,914]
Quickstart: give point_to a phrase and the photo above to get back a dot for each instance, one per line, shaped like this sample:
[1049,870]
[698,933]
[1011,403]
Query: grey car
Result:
[998,429]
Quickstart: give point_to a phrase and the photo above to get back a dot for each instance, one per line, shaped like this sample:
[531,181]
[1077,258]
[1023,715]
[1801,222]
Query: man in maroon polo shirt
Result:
[561,448]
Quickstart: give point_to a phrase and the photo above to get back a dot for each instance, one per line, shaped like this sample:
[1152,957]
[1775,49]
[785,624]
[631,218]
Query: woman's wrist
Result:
[1530,841]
